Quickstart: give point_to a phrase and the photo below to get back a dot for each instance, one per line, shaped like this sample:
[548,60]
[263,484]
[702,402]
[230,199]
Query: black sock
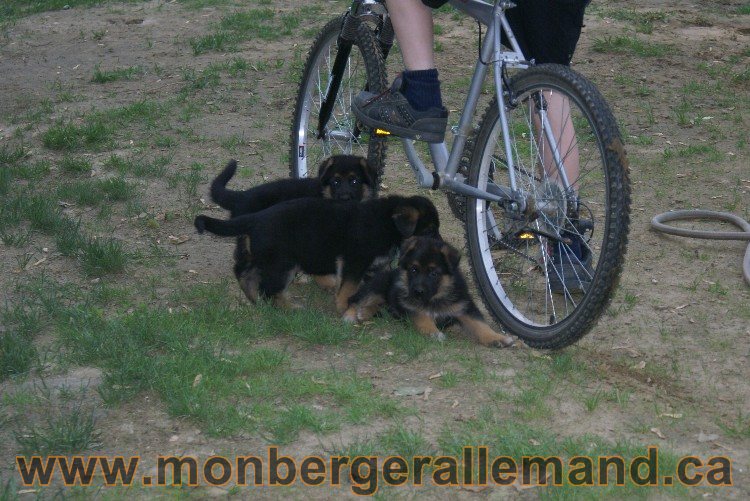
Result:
[422,89]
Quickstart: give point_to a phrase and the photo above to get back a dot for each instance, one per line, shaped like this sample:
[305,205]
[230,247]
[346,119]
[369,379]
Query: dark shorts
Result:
[546,30]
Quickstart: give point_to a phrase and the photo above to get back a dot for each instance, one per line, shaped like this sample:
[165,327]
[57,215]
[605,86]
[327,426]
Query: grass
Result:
[6,177]
[67,136]
[251,24]
[517,440]
[740,428]
[117,74]
[11,239]
[199,362]
[94,192]
[10,155]
[64,434]
[643,20]
[17,354]
[404,442]
[103,256]
[145,112]
[43,213]
[138,167]
[74,165]
[629,45]
[13,9]
[97,256]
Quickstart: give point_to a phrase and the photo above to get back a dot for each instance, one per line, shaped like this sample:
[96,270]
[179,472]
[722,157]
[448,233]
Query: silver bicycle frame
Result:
[492,52]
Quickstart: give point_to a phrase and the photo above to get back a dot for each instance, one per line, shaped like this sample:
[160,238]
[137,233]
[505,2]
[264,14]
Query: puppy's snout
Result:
[418,291]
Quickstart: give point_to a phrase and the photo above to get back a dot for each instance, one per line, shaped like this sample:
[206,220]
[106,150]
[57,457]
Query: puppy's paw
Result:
[283,302]
[438,336]
[363,315]
[200,223]
[350,315]
[504,342]
[327,282]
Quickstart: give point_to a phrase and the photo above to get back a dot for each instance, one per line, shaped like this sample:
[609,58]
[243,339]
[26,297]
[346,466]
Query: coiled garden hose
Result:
[658,221]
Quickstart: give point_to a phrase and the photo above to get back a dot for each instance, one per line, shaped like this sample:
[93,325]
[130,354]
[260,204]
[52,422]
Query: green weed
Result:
[66,136]
[117,74]
[643,21]
[6,177]
[31,171]
[404,442]
[740,428]
[103,256]
[69,239]
[138,167]
[17,354]
[592,400]
[75,165]
[43,213]
[10,155]
[625,44]
[252,24]
[94,192]
[19,239]
[68,433]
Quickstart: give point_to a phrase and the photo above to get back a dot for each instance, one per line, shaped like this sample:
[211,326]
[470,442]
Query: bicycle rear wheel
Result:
[546,273]
[364,70]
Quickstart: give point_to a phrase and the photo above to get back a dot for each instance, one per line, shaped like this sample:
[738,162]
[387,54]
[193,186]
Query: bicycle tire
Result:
[513,293]
[306,150]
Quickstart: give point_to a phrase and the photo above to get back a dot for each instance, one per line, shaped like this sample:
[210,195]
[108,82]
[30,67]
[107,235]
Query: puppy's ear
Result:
[324,171]
[369,173]
[405,218]
[408,245]
[451,256]
[406,250]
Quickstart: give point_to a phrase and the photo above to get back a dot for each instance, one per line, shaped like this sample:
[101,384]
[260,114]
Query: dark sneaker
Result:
[391,112]
[569,268]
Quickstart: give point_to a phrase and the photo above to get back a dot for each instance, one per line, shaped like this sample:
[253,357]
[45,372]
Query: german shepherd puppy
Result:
[340,177]
[427,287]
[318,236]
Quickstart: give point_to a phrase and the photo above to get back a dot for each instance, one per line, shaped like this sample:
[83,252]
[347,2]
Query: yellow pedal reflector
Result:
[526,235]
[381,132]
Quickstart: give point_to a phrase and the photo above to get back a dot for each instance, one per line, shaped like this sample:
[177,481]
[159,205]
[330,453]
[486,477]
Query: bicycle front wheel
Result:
[340,135]
[546,271]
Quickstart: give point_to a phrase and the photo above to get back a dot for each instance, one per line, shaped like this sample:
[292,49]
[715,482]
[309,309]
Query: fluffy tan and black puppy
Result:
[428,288]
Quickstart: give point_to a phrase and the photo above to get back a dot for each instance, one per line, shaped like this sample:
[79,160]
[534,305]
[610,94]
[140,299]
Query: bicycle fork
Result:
[345,43]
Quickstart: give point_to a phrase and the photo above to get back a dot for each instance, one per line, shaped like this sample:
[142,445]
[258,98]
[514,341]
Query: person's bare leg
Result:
[558,115]
[412,22]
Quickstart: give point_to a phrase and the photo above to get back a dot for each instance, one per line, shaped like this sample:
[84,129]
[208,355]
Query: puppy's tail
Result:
[224,227]
[226,199]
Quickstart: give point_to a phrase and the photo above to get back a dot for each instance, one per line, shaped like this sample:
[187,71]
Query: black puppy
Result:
[341,177]
[428,288]
[318,236]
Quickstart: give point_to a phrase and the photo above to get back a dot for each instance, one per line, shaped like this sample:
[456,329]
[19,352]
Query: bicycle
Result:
[506,178]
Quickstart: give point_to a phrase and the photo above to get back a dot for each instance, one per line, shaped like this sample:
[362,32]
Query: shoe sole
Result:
[556,287]
[430,137]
